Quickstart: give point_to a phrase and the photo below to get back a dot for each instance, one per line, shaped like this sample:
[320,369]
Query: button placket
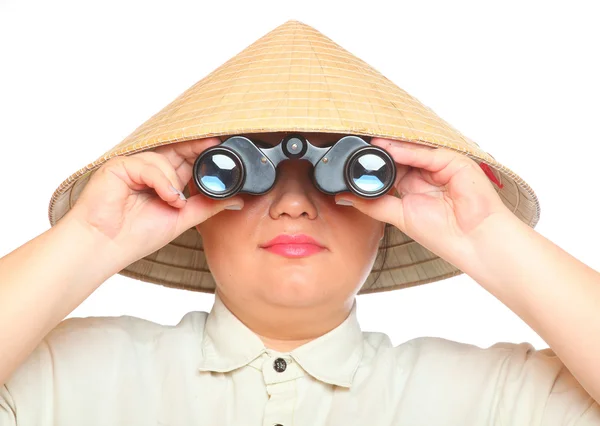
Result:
[279,408]
[280,373]
[278,368]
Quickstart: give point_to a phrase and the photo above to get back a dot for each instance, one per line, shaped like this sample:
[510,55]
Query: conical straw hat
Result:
[294,78]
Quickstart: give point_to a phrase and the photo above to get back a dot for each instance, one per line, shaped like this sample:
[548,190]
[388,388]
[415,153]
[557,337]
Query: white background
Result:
[520,78]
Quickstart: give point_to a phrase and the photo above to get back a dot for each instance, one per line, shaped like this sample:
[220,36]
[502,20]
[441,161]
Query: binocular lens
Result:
[370,173]
[220,173]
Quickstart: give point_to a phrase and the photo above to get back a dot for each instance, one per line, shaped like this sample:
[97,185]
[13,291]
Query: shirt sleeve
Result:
[83,360]
[538,389]
[34,376]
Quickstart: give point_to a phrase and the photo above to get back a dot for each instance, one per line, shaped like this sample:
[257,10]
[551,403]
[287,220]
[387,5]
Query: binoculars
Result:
[241,165]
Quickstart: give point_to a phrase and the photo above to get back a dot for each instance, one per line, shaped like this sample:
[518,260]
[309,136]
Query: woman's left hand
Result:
[446,198]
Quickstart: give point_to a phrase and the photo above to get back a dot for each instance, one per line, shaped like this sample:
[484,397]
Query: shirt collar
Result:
[334,357]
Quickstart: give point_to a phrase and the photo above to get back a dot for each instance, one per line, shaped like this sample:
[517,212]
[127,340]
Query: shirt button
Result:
[279,365]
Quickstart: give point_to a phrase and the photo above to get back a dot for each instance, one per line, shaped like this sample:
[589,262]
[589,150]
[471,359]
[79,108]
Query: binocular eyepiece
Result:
[240,165]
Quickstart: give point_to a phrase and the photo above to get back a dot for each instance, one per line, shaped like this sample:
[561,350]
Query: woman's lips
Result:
[293,246]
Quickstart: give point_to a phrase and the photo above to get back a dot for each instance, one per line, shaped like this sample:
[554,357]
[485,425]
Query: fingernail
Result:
[177,191]
[234,207]
[343,202]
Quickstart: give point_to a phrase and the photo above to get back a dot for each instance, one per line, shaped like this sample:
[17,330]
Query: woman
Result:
[282,345]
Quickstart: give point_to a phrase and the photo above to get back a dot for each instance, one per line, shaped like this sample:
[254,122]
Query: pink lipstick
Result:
[293,246]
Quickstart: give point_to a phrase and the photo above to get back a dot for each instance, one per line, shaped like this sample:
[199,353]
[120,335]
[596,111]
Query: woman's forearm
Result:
[552,291]
[44,280]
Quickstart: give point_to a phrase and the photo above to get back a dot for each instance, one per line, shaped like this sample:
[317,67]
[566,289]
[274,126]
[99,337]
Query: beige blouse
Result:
[210,369]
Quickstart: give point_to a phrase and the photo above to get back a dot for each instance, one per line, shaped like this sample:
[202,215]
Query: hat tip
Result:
[294,21]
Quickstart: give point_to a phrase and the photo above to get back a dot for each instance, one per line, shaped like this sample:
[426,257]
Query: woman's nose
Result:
[294,193]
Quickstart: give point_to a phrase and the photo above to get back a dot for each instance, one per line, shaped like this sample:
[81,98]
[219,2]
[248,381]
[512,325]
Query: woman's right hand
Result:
[129,203]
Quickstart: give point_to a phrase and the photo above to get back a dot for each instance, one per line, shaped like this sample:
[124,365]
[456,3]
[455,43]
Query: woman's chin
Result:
[296,290]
